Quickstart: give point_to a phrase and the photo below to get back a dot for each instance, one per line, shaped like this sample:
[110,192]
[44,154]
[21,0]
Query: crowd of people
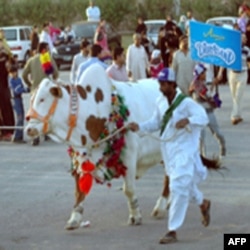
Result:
[178,74]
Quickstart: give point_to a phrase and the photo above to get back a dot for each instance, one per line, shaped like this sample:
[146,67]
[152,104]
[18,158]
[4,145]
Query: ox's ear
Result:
[56,92]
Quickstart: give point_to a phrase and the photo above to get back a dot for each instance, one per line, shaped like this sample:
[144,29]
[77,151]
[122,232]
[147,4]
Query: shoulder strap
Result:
[169,111]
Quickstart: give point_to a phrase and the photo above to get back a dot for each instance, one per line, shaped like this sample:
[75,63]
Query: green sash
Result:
[169,111]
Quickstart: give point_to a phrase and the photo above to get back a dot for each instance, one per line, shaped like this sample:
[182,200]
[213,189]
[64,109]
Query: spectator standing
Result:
[141,26]
[203,96]
[180,150]
[182,24]
[237,82]
[34,38]
[33,72]
[137,60]
[6,110]
[101,38]
[242,20]
[183,65]
[93,12]
[95,57]
[4,43]
[79,58]
[53,32]
[156,63]
[117,70]
[17,89]
[46,38]
[189,18]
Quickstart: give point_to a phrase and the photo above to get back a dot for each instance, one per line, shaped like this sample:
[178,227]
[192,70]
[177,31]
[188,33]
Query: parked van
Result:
[18,39]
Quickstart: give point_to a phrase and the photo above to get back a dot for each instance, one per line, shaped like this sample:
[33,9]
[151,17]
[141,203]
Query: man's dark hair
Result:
[45,24]
[117,52]
[95,50]
[84,43]
[42,46]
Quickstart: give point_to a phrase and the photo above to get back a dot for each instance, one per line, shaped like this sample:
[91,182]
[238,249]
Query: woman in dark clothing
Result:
[7,114]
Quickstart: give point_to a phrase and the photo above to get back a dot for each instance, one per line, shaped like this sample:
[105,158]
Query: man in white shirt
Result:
[93,12]
[79,58]
[180,120]
[137,60]
[117,70]
[46,38]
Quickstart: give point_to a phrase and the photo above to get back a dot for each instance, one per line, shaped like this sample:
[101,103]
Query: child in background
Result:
[156,63]
[200,93]
[17,88]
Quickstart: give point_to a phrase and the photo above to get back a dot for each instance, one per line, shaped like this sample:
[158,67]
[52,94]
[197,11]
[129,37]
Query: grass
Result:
[127,40]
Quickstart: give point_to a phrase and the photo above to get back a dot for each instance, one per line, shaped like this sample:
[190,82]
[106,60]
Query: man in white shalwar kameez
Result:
[180,135]
[137,63]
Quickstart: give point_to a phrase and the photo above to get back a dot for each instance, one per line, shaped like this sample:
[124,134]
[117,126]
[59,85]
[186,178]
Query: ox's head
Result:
[43,105]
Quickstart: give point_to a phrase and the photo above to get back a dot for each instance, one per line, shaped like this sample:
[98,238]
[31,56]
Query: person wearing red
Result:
[156,63]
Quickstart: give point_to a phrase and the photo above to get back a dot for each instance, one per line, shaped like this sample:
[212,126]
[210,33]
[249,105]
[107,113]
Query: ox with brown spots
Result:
[83,117]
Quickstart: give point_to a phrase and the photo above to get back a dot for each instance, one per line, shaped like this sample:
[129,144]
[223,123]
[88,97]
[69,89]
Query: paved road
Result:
[36,195]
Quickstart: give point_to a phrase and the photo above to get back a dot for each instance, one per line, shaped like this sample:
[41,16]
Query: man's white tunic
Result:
[180,152]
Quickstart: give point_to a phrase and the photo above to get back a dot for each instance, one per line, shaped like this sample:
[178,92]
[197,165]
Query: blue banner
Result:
[215,45]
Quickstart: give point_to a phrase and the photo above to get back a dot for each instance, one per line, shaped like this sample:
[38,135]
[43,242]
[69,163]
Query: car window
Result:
[22,35]
[10,34]
[27,33]
[154,27]
[84,30]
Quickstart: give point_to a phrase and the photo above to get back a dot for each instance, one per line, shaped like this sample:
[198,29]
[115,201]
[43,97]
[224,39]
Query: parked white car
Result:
[153,27]
[18,39]
[224,21]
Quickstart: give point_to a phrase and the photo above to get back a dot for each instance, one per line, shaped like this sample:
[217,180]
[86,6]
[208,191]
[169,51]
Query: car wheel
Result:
[26,57]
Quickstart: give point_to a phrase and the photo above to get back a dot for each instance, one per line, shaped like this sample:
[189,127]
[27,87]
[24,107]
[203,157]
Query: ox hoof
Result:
[134,221]
[75,219]
[158,214]
[72,225]
[160,208]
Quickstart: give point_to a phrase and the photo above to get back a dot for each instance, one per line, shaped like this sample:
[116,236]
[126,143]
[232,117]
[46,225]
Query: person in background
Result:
[7,115]
[34,38]
[95,57]
[201,94]
[237,80]
[101,38]
[189,18]
[53,32]
[117,70]
[141,26]
[33,73]
[156,63]
[183,65]
[4,43]
[242,20]
[46,38]
[17,89]
[180,121]
[69,34]
[93,12]
[79,58]
[182,24]
[137,60]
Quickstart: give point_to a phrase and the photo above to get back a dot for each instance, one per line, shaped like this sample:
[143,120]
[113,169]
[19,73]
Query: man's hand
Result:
[182,123]
[133,126]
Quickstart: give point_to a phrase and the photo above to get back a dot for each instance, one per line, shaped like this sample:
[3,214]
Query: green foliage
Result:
[121,13]
[116,11]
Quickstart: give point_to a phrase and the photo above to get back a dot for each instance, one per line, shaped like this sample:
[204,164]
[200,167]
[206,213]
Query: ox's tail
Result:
[212,164]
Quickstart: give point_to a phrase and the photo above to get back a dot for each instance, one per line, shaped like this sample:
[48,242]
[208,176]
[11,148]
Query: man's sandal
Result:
[205,211]
[170,237]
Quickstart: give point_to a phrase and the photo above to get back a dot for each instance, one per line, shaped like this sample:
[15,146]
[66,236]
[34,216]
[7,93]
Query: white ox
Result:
[51,107]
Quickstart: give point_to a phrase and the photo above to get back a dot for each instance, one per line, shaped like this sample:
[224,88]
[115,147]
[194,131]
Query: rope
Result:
[11,127]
